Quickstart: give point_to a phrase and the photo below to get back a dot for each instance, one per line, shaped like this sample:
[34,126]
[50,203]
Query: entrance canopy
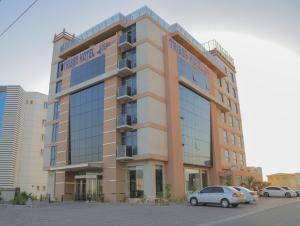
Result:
[78,167]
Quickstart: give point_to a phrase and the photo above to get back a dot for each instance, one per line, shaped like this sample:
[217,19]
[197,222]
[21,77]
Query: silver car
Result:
[250,196]
[221,195]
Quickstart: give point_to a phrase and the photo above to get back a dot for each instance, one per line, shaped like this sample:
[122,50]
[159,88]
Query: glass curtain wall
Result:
[86,125]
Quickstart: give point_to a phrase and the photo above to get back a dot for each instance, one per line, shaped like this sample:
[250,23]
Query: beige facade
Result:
[291,180]
[139,158]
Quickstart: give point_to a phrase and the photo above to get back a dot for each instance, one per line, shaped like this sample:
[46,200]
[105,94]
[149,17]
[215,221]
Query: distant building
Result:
[22,126]
[136,104]
[291,180]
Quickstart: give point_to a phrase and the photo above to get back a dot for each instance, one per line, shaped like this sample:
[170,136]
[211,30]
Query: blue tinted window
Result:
[53,154]
[195,125]
[55,129]
[56,110]
[86,125]
[130,55]
[191,73]
[45,105]
[130,108]
[58,87]
[130,138]
[2,105]
[60,69]
[88,70]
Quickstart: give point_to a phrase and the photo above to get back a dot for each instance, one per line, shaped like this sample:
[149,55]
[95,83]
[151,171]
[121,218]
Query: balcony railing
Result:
[125,122]
[124,152]
[125,42]
[125,67]
[125,93]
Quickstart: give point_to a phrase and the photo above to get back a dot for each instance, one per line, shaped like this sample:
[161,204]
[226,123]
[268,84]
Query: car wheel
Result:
[235,205]
[194,201]
[288,195]
[225,203]
[266,194]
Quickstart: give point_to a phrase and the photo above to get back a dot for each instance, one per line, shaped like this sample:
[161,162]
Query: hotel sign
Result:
[181,51]
[88,54]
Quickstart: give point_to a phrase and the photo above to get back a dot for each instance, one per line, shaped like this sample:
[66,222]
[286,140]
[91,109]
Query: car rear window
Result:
[237,188]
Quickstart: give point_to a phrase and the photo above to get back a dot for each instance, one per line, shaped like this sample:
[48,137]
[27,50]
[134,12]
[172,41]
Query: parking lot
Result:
[92,214]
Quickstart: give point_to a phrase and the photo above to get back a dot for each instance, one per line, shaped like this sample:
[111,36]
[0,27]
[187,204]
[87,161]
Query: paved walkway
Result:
[104,214]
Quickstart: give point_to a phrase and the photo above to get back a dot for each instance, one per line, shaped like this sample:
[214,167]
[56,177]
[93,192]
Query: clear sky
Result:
[262,36]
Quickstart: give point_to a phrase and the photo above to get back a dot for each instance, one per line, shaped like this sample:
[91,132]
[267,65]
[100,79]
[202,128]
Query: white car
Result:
[221,195]
[250,196]
[277,191]
[294,193]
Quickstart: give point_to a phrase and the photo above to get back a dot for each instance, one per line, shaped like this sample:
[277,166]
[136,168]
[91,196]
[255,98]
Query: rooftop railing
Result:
[213,44]
[135,15]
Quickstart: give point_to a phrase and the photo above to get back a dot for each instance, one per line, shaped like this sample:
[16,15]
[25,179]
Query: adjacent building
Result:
[22,121]
[136,104]
[291,180]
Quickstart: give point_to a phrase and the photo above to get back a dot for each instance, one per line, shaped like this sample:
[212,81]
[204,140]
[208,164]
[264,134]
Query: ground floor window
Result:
[136,182]
[195,179]
[159,181]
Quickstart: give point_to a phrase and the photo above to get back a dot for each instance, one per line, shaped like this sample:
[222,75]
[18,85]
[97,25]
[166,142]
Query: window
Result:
[38,188]
[236,108]
[207,190]
[234,157]
[55,129]
[159,181]
[56,110]
[227,87]
[130,82]
[221,97]
[136,181]
[86,125]
[44,122]
[130,55]
[43,137]
[88,70]
[230,121]
[58,87]
[45,105]
[242,160]
[229,103]
[130,139]
[44,188]
[191,73]
[130,108]
[232,138]
[224,136]
[234,92]
[196,129]
[31,102]
[222,117]
[217,190]
[53,154]
[239,141]
[226,156]
[60,69]
[231,77]
[219,82]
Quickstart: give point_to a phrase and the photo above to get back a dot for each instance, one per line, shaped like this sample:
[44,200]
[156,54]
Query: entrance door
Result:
[80,189]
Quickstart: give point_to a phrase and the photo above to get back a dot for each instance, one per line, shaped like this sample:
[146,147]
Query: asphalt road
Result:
[284,215]
[267,212]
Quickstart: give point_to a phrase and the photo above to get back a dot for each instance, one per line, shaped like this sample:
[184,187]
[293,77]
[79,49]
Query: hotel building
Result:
[136,104]
[22,119]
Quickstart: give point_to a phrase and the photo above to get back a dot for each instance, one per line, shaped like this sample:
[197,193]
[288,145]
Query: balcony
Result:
[125,42]
[125,67]
[124,152]
[125,93]
[125,123]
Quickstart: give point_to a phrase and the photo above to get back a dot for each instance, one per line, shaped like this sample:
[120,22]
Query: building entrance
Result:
[88,187]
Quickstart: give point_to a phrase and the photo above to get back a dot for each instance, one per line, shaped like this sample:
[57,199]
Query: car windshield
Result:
[286,188]
[237,188]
